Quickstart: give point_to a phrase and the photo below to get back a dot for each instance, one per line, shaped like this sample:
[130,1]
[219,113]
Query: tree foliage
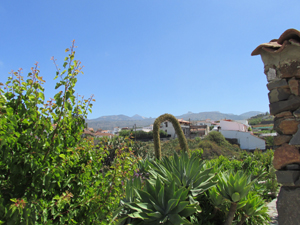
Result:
[48,173]
[140,134]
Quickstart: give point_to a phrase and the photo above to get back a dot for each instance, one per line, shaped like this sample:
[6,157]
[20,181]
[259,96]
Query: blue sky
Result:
[149,57]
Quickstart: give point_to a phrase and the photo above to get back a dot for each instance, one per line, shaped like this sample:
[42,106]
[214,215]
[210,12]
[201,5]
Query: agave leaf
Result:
[138,215]
[154,215]
[150,189]
[203,187]
[236,197]
[187,211]
[134,207]
[165,220]
[170,191]
[161,197]
[178,193]
[120,221]
[158,186]
[158,207]
[184,194]
[145,206]
[145,196]
[172,203]
[177,220]
[115,215]
[180,206]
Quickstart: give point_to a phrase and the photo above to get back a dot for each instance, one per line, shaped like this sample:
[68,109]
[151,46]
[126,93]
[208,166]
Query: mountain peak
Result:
[138,117]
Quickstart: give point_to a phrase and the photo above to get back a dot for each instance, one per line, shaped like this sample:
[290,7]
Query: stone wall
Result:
[281,58]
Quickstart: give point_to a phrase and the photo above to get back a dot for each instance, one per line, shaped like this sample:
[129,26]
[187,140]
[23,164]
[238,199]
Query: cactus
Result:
[178,130]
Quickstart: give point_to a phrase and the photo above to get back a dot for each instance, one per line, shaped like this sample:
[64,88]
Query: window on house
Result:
[166,124]
[166,131]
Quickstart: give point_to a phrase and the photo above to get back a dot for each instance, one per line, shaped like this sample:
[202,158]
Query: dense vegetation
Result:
[140,134]
[49,174]
[264,117]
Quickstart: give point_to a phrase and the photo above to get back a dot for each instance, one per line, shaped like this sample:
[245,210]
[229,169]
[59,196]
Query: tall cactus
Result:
[178,130]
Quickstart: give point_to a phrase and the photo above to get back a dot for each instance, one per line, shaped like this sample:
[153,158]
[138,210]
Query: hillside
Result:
[109,122]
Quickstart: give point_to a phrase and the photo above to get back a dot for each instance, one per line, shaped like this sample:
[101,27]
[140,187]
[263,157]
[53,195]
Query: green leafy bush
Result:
[49,174]
[217,137]
[160,203]
[140,134]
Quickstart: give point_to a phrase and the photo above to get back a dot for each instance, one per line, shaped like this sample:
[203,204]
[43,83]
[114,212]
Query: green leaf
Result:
[177,220]
[41,95]
[154,215]
[236,197]
[188,211]
[145,206]
[179,207]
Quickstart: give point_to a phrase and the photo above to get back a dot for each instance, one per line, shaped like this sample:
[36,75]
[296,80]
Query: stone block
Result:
[294,86]
[281,139]
[291,104]
[288,206]
[296,113]
[277,84]
[296,138]
[289,126]
[290,70]
[286,125]
[284,114]
[288,177]
[279,94]
[271,74]
[284,155]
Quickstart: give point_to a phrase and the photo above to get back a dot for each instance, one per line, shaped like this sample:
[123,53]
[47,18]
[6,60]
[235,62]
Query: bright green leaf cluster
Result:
[161,204]
[186,171]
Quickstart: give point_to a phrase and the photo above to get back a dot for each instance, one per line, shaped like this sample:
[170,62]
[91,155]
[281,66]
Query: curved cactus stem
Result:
[178,130]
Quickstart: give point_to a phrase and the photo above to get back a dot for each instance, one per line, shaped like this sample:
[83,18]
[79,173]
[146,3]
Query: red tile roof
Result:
[290,36]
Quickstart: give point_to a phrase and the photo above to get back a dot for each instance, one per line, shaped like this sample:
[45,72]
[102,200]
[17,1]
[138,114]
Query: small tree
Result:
[48,173]
[216,137]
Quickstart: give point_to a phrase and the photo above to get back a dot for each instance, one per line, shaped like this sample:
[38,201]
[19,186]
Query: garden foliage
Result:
[49,173]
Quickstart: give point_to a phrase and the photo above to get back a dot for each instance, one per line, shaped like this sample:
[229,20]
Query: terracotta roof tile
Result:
[290,36]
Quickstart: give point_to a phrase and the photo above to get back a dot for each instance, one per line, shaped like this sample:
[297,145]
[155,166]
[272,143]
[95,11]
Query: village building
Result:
[237,132]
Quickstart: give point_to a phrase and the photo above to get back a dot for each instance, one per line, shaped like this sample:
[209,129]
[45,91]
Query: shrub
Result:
[49,174]
[217,137]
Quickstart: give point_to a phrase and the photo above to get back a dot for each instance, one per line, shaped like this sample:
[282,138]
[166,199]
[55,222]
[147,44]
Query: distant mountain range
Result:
[109,122]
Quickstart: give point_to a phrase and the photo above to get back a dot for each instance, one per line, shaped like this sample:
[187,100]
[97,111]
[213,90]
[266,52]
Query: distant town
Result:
[248,134]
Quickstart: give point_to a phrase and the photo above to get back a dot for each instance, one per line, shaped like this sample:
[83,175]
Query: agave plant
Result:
[161,204]
[215,198]
[130,197]
[188,172]
[234,187]
[253,207]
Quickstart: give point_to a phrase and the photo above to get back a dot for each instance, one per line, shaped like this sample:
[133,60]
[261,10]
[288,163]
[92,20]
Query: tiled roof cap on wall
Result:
[290,36]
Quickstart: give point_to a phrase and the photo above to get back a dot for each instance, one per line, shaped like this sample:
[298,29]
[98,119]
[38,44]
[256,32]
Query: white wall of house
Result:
[170,130]
[116,130]
[245,139]
[233,125]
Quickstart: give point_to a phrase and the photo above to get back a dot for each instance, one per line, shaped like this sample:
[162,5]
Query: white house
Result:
[146,129]
[233,125]
[116,130]
[236,130]
[167,126]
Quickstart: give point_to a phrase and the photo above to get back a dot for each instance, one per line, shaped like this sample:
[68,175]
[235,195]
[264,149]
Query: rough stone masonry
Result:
[281,58]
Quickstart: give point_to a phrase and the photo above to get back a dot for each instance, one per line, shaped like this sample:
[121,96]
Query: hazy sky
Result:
[149,57]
